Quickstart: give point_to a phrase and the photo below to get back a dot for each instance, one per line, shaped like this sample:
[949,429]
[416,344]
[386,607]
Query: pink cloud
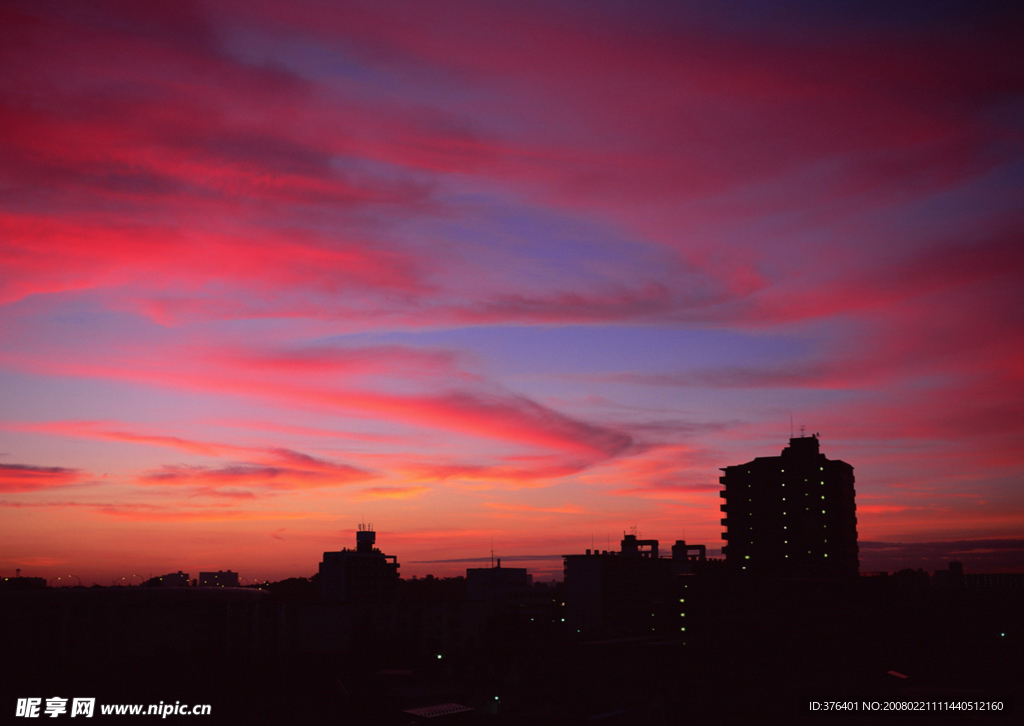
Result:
[495,415]
[293,471]
[100,430]
[499,416]
[20,478]
[539,471]
[396,492]
[169,512]
[143,514]
[337,363]
[516,509]
[881,509]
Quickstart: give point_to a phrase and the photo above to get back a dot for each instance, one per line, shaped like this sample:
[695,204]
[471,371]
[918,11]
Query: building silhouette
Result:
[181,579]
[359,575]
[220,578]
[792,515]
[498,584]
[618,592]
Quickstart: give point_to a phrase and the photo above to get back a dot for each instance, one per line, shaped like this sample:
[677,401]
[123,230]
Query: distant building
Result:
[623,592]
[791,515]
[20,582]
[363,574]
[220,578]
[687,559]
[498,584]
[1001,580]
[176,579]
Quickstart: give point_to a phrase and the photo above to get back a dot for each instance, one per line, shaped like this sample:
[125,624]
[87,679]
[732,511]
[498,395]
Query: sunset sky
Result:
[501,275]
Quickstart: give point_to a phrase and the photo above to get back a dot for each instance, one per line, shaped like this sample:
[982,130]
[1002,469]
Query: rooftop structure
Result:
[363,574]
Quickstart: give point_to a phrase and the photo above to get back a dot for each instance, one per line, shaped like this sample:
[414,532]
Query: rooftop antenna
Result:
[790,424]
[802,428]
[492,554]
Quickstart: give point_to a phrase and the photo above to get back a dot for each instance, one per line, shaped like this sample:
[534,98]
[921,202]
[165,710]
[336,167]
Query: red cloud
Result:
[295,471]
[100,430]
[171,513]
[141,513]
[512,418]
[526,474]
[496,415]
[23,478]
[350,363]
[506,507]
[406,492]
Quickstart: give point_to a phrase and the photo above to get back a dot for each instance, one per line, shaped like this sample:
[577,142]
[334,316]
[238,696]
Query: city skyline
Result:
[510,278]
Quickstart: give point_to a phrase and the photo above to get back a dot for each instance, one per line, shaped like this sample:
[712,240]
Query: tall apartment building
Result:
[791,515]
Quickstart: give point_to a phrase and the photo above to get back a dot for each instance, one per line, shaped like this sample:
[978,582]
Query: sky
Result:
[509,277]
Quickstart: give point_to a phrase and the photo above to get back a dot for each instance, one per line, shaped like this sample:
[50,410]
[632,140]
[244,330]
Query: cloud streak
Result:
[293,470]
[20,478]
